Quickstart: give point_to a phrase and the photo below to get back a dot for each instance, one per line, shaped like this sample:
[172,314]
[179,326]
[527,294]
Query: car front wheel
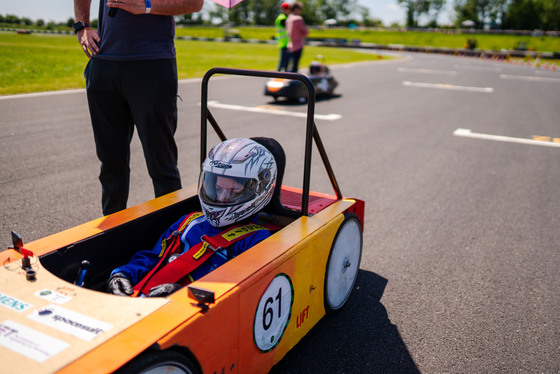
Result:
[154,362]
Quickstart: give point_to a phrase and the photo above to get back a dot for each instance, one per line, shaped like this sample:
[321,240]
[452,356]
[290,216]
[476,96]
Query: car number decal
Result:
[273,313]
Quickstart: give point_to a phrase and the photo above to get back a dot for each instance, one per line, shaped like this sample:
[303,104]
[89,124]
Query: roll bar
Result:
[311,130]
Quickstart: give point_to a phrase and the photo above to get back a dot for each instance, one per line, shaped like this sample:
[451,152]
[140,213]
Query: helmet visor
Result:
[225,190]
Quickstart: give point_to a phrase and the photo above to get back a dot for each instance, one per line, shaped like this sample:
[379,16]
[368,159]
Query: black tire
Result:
[343,264]
[153,362]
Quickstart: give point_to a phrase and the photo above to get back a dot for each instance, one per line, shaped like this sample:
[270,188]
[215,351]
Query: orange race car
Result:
[243,317]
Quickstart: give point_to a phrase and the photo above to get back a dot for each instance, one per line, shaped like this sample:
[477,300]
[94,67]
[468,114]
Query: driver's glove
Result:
[164,289]
[120,285]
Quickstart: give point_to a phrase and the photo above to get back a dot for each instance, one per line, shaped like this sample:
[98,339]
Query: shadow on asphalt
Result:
[358,339]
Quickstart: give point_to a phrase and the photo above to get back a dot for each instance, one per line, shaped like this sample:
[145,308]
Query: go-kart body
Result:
[291,89]
[241,318]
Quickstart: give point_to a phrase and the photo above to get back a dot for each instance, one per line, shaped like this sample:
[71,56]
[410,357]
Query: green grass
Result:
[45,62]
[411,38]
[445,39]
[31,63]
[196,58]
[38,62]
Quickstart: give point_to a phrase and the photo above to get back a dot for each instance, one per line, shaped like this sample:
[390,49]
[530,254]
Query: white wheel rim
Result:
[167,369]
[344,264]
[174,368]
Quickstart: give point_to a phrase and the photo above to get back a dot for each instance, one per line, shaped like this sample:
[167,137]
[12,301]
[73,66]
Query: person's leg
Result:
[284,59]
[151,91]
[295,60]
[112,130]
[290,61]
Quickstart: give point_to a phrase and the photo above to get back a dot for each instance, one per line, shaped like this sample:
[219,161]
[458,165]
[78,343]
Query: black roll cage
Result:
[311,129]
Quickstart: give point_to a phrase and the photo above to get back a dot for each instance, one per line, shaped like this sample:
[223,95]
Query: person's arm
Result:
[160,7]
[303,28]
[144,261]
[87,37]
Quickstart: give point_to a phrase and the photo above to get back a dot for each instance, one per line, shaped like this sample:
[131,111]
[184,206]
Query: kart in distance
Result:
[292,89]
[243,317]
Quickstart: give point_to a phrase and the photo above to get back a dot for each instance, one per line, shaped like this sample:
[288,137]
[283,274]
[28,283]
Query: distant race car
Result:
[243,317]
[292,89]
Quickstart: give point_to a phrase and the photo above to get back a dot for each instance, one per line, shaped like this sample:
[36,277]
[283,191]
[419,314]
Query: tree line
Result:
[479,14]
[476,14]
[494,14]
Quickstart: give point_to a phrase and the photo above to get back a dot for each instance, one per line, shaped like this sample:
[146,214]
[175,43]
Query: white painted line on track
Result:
[549,73]
[42,94]
[427,71]
[499,138]
[529,78]
[267,110]
[478,68]
[74,91]
[452,87]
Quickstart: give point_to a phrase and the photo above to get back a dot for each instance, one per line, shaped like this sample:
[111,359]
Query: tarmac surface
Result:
[459,271]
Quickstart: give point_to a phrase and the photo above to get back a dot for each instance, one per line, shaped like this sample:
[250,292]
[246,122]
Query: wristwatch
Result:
[79,26]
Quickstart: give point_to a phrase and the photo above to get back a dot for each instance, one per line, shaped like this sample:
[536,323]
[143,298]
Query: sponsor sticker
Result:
[53,296]
[28,342]
[70,322]
[14,304]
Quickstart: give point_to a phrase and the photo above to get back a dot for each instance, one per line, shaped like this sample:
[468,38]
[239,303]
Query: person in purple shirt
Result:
[131,80]
[238,179]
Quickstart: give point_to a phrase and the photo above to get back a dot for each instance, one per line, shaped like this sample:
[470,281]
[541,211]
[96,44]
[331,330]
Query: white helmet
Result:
[237,180]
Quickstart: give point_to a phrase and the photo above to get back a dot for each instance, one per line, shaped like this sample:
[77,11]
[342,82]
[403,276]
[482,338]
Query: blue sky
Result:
[60,10]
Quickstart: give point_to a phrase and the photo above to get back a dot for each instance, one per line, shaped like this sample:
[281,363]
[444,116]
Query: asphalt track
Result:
[460,267]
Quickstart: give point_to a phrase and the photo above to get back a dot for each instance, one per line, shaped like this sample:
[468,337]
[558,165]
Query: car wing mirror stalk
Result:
[202,296]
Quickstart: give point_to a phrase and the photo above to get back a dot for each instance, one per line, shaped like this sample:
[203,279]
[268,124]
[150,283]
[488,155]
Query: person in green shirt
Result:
[282,36]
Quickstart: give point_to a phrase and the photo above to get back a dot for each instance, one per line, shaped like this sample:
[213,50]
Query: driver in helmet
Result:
[237,180]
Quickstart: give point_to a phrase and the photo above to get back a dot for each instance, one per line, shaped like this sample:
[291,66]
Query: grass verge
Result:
[494,42]
[42,62]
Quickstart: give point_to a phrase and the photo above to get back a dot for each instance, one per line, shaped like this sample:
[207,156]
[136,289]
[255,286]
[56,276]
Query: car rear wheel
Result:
[155,362]
[343,264]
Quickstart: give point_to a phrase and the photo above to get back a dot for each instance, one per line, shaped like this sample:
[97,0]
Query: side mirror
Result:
[202,296]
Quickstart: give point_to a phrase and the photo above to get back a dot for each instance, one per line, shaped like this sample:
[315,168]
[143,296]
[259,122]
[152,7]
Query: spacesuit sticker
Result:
[70,322]
[28,342]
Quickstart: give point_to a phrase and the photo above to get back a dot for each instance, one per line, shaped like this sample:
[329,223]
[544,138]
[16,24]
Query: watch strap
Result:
[80,25]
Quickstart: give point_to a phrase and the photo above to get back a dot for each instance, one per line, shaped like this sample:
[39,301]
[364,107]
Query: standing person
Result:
[131,79]
[297,31]
[282,36]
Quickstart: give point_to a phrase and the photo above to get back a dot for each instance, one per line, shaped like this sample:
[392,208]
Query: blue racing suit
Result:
[143,261]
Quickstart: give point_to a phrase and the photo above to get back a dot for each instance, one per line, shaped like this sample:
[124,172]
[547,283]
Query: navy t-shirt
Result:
[129,37]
